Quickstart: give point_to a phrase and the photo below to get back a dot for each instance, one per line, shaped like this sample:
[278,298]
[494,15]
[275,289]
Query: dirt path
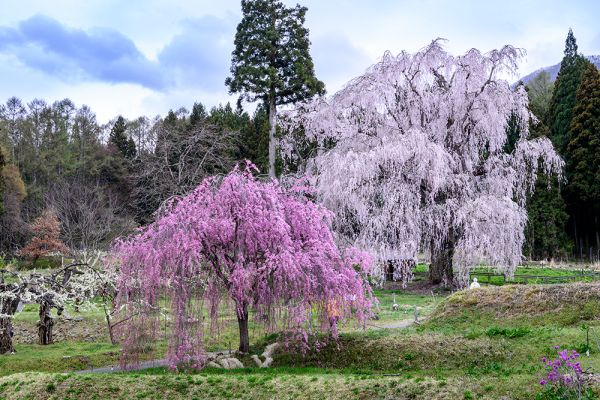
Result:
[405,323]
[141,366]
[397,325]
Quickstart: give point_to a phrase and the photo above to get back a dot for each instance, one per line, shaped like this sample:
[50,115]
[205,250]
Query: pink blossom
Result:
[269,249]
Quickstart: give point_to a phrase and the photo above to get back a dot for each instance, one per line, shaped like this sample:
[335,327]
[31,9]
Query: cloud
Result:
[44,44]
[200,55]
[337,60]
[196,57]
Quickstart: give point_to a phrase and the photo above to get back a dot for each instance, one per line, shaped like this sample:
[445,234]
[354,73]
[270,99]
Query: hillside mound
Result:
[565,304]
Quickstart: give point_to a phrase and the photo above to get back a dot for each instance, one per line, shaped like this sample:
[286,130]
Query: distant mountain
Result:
[553,70]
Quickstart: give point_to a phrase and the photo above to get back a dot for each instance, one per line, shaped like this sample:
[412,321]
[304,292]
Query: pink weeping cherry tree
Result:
[414,156]
[267,249]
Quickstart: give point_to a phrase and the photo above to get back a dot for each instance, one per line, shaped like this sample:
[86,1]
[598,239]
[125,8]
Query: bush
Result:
[510,333]
[564,378]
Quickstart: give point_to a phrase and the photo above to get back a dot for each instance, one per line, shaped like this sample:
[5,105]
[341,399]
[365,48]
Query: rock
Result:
[257,360]
[270,349]
[267,355]
[230,363]
[267,363]
[213,364]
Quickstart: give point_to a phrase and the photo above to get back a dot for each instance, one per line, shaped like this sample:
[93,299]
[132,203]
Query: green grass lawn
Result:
[524,274]
[477,344]
[407,302]
[88,344]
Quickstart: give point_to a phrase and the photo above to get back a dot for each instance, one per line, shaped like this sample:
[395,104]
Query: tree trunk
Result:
[440,269]
[110,326]
[243,325]
[45,324]
[6,335]
[272,139]
[8,308]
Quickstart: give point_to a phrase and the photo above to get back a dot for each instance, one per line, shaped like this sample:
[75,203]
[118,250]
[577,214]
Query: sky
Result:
[145,57]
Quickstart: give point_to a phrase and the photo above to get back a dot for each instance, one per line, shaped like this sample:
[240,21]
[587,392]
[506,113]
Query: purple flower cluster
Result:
[564,370]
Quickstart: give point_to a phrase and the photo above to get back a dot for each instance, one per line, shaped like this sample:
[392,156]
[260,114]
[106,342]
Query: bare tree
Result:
[143,135]
[90,216]
[103,282]
[182,157]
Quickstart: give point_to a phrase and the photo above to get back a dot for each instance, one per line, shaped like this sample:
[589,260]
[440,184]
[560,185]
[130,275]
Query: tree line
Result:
[101,181]
[564,216]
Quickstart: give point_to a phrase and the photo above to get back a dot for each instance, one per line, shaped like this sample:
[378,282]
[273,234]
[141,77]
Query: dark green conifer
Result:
[271,61]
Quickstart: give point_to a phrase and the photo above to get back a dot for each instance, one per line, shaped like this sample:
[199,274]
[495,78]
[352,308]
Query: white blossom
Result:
[414,151]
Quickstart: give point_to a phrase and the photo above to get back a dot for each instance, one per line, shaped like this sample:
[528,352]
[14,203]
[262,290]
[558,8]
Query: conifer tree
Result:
[545,233]
[583,163]
[271,61]
[563,97]
[198,114]
[119,139]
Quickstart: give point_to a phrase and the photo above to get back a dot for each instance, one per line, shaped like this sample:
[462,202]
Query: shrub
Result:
[564,379]
[510,333]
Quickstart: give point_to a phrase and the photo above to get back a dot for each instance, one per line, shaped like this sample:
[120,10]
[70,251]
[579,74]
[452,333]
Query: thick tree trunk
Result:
[440,269]
[243,325]
[8,308]
[6,334]
[45,324]
[272,138]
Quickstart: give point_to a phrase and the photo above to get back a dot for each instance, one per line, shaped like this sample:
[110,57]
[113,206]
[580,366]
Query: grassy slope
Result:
[248,384]
[483,343]
[495,336]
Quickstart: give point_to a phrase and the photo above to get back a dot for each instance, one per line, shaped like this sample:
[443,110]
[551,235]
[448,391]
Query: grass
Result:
[523,274]
[475,344]
[59,357]
[253,385]
[84,343]
[407,302]
[494,335]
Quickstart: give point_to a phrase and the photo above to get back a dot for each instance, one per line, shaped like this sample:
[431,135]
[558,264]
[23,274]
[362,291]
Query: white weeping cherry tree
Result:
[414,156]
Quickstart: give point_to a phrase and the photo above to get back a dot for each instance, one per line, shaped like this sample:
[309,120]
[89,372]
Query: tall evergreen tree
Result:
[271,61]
[255,139]
[583,163]
[198,114]
[545,233]
[564,96]
[119,139]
